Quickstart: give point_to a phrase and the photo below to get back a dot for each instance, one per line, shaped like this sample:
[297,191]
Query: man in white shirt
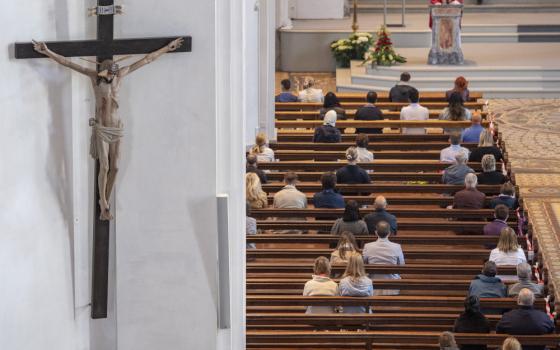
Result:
[448,155]
[309,94]
[414,111]
[289,197]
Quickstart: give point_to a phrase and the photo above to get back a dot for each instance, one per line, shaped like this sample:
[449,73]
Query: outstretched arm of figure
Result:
[149,58]
[42,48]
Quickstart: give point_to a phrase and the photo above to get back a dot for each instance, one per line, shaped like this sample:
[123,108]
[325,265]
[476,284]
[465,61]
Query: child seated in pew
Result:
[355,283]
[320,285]
[346,247]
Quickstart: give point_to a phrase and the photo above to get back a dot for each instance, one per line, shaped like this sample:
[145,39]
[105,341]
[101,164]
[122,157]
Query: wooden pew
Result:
[350,115]
[342,124]
[382,165]
[433,177]
[416,212]
[394,106]
[378,146]
[307,135]
[282,269]
[269,339]
[398,199]
[383,96]
[291,155]
[314,187]
[410,253]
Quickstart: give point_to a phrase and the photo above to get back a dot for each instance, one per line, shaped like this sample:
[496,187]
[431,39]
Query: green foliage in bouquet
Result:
[353,48]
[383,54]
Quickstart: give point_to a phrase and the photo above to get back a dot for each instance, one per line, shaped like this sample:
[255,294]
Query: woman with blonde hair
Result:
[489,175]
[486,146]
[345,248]
[355,283]
[508,251]
[511,344]
[320,285]
[256,197]
[261,150]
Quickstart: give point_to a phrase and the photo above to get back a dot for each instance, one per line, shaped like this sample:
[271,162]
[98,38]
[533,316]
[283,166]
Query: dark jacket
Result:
[286,97]
[508,201]
[369,112]
[491,178]
[261,174]
[328,199]
[380,215]
[464,94]
[469,199]
[400,93]
[326,133]
[472,322]
[487,287]
[352,174]
[525,321]
[479,152]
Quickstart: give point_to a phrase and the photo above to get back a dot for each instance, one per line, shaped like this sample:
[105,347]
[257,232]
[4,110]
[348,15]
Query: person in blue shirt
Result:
[286,95]
[328,197]
[472,134]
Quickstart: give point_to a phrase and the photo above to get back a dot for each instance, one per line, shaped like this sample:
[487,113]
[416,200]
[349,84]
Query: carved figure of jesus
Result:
[107,127]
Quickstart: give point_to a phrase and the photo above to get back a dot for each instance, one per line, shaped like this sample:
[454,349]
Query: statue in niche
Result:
[107,127]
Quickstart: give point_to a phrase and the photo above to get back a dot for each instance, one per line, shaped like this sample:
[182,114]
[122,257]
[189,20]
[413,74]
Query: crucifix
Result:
[107,128]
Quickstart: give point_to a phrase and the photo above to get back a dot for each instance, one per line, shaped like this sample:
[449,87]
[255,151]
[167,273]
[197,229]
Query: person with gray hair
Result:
[380,214]
[524,274]
[526,320]
[455,174]
[489,175]
[470,197]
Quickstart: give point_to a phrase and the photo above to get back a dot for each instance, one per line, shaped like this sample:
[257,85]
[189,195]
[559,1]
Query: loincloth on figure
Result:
[105,134]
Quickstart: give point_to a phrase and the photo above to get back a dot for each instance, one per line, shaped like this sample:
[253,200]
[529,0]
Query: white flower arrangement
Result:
[354,47]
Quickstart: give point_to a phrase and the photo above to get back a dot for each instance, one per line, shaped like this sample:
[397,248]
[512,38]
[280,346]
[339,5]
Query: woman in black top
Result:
[352,173]
[486,146]
[472,321]
[489,175]
[332,103]
[328,131]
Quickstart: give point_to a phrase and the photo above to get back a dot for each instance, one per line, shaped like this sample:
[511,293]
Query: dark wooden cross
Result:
[105,47]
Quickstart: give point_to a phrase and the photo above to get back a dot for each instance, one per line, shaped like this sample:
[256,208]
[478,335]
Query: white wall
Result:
[37,297]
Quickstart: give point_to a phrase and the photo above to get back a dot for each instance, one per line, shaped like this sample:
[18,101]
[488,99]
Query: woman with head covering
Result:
[332,103]
[327,132]
[310,94]
[461,87]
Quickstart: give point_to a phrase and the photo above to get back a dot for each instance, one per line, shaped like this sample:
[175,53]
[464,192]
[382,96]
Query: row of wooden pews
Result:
[444,248]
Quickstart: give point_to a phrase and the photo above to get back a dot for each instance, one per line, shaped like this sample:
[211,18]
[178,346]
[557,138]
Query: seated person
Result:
[489,175]
[346,247]
[328,197]
[472,134]
[383,251]
[327,132]
[414,111]
[524,277]
[401,91]
[332,104]
[380,214]
[455,174]
[256,197]
[494,228]
[447,341]
[470,197]
[261,150]
[369,112]
[309,93]
[526,320]
[472,321]
[355,283]
[455,112]
[351,221]
[447,155]
[487,285]
[510,343]
[252,167]
[508,251]
[352,173]
[486,146]
[286,95]
[461,87]
[289,197]
[250,225]
[320,285]
[364,156]
[506,197]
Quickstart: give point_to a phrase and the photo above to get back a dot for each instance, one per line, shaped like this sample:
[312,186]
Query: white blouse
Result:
[510,258]
[266,156]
